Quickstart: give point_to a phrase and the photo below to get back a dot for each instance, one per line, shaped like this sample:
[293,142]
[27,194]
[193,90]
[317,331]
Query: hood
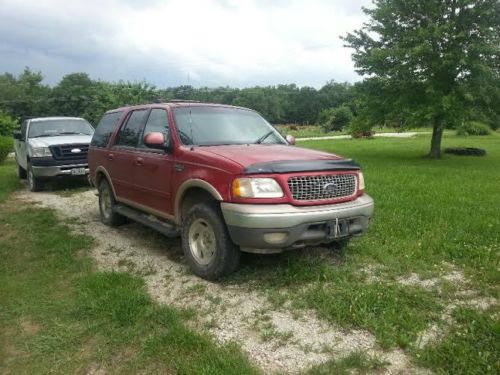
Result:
[246,155]
[59,140]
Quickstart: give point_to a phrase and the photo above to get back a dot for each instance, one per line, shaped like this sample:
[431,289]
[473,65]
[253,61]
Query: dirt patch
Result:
[29,327]
[276,339]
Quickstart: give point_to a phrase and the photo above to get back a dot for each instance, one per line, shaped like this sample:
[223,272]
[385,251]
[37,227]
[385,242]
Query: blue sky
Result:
[169,43]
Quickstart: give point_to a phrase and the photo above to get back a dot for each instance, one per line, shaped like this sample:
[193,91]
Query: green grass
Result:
[8,179]
[58,315]
[430,216]
[357,363]
[471,347]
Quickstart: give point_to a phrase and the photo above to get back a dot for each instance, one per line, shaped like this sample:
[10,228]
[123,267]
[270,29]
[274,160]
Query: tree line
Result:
[25,95]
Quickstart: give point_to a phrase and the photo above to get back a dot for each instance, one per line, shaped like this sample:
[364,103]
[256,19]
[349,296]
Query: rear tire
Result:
[206,243]
[106,205]
[34,183]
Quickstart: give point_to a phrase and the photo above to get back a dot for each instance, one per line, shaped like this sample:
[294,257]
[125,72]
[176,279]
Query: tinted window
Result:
[157,122]
[129,133]
[199,125]
[105,128]
[53,128]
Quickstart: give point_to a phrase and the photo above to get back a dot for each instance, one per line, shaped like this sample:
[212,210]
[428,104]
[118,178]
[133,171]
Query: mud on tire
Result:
[206,243]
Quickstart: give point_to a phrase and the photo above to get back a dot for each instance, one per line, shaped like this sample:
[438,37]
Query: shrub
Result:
[6,146]
[7,124]
[339,118]
[360,129]
[474,128]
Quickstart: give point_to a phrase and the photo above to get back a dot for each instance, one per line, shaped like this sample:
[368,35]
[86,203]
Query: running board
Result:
[147,220]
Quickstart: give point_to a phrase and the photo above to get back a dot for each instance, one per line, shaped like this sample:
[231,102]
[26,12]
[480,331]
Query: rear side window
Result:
[105,128]
[129,133]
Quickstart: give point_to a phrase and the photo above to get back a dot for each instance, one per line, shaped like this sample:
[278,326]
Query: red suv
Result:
[223,179]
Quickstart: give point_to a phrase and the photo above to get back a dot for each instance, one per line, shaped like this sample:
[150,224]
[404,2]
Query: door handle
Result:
[111,157]
[139,161]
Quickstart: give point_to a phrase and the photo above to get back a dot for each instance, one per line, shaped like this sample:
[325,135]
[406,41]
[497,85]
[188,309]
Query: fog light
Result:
[275,238]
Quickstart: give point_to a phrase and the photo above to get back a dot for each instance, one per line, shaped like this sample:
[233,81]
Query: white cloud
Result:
[218,42]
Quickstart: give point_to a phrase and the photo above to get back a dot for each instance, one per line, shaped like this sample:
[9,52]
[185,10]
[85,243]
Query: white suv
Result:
[49,147]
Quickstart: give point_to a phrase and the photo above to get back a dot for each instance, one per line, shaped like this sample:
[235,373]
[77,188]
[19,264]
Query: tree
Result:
[429,59]
[340,117]
[73,94]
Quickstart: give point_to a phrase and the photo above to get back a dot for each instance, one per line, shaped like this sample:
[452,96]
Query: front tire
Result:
[206,243]
[106,205]
[21,172]
[34,183]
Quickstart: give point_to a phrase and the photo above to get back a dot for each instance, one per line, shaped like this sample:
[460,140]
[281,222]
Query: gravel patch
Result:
[294,343]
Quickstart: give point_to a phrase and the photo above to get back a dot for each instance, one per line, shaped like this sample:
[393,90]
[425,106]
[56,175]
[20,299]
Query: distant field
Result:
[303,131]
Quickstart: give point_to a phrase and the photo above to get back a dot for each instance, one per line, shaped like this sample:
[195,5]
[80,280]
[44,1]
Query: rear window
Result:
[105,128]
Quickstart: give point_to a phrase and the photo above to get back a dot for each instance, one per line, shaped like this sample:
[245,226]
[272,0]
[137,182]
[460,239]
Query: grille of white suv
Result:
[323,187]
[70,152]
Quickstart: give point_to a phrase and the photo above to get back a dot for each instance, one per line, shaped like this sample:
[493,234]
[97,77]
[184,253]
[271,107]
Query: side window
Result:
[157,122]
[105,128]
[24,127]
[129,133]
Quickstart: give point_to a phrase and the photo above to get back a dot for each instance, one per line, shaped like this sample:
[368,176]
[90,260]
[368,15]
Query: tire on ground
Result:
[34,183]
[106,203]
[225,255]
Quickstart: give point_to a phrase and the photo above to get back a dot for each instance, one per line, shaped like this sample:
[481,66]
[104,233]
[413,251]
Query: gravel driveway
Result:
[299,341]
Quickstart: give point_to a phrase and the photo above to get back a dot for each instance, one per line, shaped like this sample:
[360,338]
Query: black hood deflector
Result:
[290,166]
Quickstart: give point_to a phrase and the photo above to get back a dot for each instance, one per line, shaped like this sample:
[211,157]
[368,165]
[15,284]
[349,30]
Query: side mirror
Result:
[290,139]
[17,135]
[156,140]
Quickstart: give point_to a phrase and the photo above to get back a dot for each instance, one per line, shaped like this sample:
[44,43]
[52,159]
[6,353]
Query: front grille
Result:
[64,152]
[323,187]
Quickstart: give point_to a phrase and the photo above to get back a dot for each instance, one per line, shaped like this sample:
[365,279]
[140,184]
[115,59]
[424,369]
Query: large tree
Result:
[429,61]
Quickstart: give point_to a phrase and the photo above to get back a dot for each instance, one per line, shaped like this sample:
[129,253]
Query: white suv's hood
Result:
[59,140]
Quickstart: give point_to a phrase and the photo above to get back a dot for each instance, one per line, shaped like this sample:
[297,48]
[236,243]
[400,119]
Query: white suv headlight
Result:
[40,152]
[256,188]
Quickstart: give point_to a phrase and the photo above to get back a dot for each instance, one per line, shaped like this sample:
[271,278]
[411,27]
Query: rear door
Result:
[153,168]
[122,156]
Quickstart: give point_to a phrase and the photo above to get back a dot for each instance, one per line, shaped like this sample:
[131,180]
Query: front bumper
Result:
[251,226]
[58,170]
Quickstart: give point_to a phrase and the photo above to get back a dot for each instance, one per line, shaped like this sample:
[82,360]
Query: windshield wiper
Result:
[70,133]
[264,137]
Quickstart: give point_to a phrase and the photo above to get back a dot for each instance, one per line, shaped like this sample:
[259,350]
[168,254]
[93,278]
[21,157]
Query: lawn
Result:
[432,218]
[305,131]
[59,315]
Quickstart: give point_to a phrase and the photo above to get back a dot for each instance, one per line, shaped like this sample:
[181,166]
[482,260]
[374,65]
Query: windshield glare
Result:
[206,126]
[51,128]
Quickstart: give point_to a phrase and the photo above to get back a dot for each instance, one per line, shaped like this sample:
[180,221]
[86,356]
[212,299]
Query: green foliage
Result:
[473,128]
[7,124]
[339,118]
[429,61]
[360,128]
[8,179]
[6,146]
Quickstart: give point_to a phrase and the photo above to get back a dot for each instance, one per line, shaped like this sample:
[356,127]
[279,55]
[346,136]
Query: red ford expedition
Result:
[223,179]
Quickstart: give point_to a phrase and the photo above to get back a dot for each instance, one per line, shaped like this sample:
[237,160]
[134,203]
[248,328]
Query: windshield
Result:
[52,128]
[207,126]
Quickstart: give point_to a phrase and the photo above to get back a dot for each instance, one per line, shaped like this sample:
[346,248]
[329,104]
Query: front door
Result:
[153,168]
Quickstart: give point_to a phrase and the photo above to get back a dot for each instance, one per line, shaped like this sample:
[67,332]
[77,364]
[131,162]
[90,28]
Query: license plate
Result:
[337,228]
[78,171]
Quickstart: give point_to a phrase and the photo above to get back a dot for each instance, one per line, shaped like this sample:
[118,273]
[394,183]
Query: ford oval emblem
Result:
[76,150]
[330,188]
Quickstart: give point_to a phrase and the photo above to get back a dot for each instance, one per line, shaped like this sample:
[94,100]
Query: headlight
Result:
[40,152]
[361,181]
[256,188]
